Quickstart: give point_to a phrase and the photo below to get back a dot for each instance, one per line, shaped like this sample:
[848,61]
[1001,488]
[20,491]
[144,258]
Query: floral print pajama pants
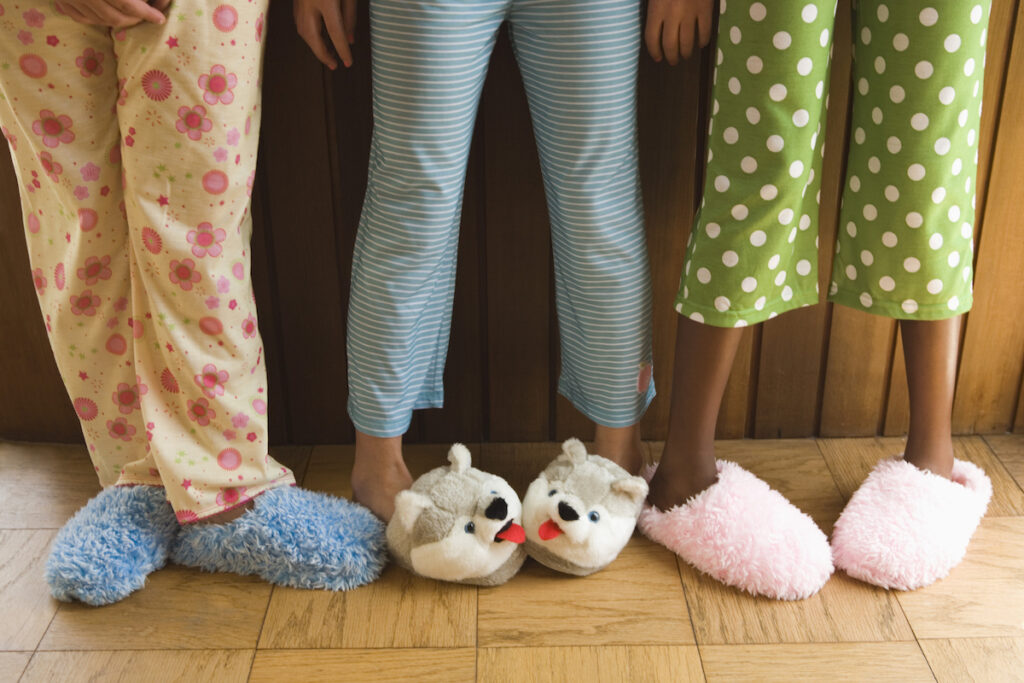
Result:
[904,248]
[136,151]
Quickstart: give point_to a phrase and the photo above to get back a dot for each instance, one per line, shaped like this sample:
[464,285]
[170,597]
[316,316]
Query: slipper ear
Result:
[635,488]
[408,506]
[459,457]
[575,451]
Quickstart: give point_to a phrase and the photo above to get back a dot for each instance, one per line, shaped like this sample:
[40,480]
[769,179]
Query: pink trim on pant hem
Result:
[189,517]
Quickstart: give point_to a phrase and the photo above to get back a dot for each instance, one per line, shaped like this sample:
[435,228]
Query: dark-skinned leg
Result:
[703,361]
[930,349]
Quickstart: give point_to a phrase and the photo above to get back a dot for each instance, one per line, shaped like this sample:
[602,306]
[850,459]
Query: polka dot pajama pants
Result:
[136,151]
[905,232]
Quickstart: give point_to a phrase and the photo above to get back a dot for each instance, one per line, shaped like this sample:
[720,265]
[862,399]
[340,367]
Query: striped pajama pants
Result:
[579,63]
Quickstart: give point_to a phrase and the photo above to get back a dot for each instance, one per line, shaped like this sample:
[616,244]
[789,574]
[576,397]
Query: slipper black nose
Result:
[497,509]
[566,512]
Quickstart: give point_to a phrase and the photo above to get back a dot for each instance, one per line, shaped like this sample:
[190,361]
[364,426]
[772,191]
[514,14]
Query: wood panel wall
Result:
[822,370]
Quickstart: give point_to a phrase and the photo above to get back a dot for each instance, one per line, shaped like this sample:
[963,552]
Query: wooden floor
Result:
[648,617]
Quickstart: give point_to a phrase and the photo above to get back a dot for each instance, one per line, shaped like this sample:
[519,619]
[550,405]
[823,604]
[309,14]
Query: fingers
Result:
[75,14]
[336,30]
[110,16]
[687,30]
[704,21]
[140,9]
[162,5]
[675,29]
[652,33]
[308,25]
[91,14]
[670,41]
[348,15]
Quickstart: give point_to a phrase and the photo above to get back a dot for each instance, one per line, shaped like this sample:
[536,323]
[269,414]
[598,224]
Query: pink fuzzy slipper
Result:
[906,528]
[745,534]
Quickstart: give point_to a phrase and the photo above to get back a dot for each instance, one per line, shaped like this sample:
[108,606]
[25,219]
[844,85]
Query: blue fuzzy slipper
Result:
[291,537]
[107,549]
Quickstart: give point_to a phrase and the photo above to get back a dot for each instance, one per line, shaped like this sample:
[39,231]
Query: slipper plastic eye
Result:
[470,528]
[594,516]
[552,492]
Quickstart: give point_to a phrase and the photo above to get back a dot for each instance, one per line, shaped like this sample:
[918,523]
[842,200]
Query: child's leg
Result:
[57,107]
[190,132]
[703,361]
[905,249]
[930,349]
[579,64]
[379,472]
[429,62]
[906,252]
[621,445]
[57,110]
[190,123]
[752,254]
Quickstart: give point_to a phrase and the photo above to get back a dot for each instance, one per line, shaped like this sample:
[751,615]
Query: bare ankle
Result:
[228,515]
[621,445]
[935,457]
[680,477]
[379,473]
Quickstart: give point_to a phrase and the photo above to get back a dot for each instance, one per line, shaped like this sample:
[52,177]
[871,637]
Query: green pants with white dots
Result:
[904,248]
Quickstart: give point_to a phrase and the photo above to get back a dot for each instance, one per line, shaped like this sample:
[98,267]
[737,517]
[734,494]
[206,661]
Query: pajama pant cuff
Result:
[392,426]
[190,516]
[156,481]
[604,416]
[710,315]
[896,309]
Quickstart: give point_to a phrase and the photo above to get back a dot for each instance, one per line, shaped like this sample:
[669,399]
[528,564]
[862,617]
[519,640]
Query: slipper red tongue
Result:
[514,533]
[549,530]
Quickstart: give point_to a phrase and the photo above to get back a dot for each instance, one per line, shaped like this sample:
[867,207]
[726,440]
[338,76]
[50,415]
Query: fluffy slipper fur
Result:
[460,524]
[107,549]
[580,512]
[291,537]
[905,528]
[745,534]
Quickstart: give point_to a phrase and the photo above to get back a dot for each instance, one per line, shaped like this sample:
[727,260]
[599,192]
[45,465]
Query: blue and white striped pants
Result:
[579,62]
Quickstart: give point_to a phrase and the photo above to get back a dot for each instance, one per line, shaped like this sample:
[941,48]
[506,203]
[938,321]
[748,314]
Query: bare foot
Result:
[621,445]
[935,457]
[379,473]
[679,479]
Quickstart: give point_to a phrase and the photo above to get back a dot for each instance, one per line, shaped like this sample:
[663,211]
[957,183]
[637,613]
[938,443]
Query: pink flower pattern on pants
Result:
[183,273]
[201,412]
[218,85]
[85,303]
[193,122]
[90,63]
[95,269]
[54,129]
[205,240]
[211,380]
[127,396]
[125,282]
[120,429]
[50,167]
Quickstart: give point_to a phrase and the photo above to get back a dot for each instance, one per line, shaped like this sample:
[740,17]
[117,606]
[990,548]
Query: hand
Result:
[338,16]
[671,26]
[113,13]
